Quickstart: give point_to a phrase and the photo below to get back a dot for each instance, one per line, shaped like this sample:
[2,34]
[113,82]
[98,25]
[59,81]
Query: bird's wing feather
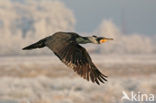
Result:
[77,58]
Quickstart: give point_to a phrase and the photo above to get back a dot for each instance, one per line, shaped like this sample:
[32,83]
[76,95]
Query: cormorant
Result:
[65,46]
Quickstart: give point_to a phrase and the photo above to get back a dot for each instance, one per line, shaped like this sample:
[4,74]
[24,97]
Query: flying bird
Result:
[65,45]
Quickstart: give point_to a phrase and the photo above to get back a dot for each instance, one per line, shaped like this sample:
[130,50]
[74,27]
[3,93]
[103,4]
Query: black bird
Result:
[65,46]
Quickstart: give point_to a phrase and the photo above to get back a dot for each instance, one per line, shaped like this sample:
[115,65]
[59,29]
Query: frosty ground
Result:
[44,79]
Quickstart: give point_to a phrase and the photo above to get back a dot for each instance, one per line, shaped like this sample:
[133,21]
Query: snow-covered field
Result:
[44,79]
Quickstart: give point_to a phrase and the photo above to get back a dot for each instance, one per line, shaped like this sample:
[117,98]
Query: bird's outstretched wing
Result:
[77,58]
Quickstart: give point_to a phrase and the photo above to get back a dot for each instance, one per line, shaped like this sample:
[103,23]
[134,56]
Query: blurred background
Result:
[38,76]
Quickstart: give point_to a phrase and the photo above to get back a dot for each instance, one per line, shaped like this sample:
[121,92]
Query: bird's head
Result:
[99,40]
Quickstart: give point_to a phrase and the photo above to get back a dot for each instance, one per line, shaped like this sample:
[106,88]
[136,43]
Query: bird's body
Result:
[65,46]
[59,40]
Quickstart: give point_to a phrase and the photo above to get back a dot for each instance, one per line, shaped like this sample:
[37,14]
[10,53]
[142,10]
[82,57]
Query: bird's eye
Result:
[94,36]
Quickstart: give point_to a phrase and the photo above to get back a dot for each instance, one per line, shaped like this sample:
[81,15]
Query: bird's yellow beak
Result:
[105,39]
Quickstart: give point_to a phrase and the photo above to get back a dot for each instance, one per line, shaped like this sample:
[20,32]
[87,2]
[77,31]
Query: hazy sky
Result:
[137,16]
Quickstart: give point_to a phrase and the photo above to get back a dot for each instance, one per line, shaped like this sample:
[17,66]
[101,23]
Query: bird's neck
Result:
[84,40]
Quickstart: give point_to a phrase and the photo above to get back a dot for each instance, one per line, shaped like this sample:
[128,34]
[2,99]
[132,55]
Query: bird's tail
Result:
[39,44]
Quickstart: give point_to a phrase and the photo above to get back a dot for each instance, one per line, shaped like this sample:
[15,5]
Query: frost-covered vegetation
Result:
[66,90]
[46,80]
[132,43]
[26,21]
[23,22]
